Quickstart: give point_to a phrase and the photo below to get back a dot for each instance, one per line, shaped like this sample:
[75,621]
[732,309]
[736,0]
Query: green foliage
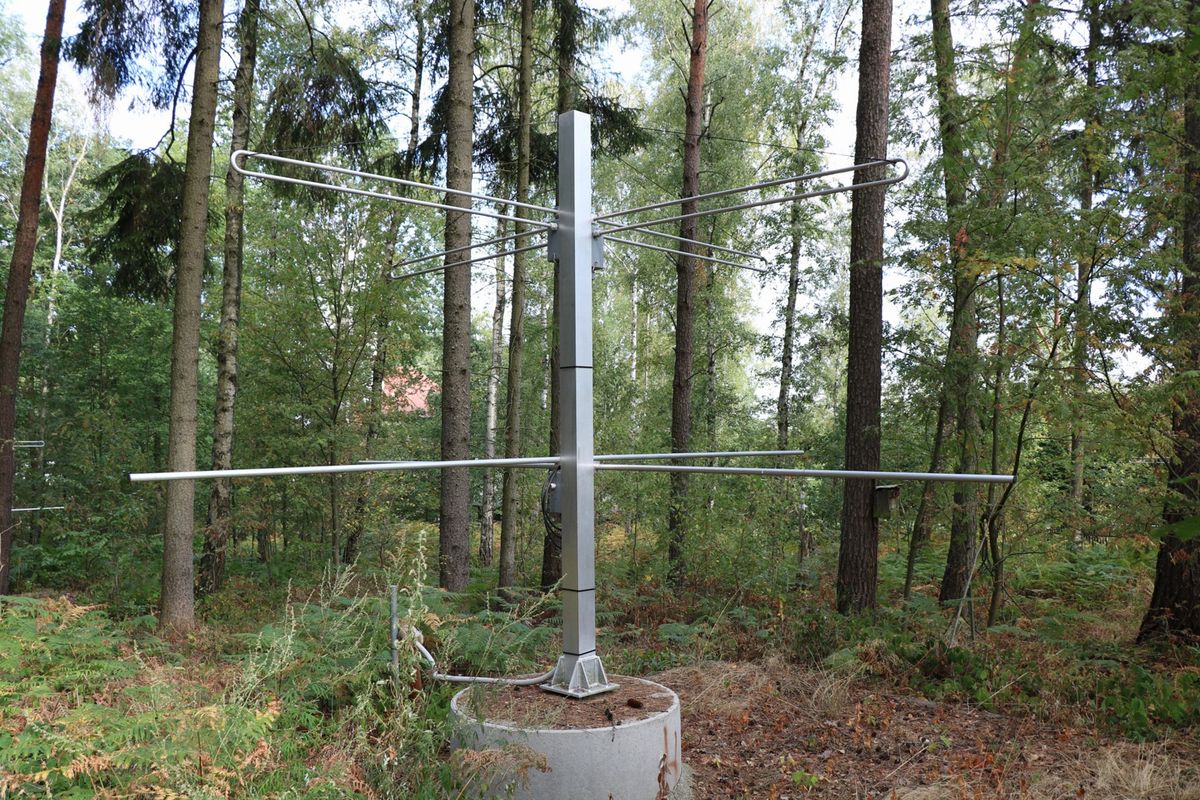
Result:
[1146,703]
[139,222]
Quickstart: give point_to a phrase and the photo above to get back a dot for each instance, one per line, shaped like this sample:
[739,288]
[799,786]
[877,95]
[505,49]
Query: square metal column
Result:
[579,672]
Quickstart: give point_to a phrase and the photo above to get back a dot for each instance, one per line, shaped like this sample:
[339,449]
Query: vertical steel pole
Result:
[579,672]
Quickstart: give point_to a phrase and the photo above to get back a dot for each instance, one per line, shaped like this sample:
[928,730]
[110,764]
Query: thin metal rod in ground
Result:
[847,474]
[713,454]
[710,245]
[355,173]
[498,240]
[266,176]
[418,642]
[756,203]
[327,469]
[453,264]
[673,251]
[809,176]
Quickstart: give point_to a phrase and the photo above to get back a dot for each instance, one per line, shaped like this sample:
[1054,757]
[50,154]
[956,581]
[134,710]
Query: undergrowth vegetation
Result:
[290,692]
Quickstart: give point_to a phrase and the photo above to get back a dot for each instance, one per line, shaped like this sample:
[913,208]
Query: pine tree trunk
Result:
[20,272]
[516,325]
[487,511]
[685,295]
[858,558]
[1175,604]
[454,534]
[178,595]
[567,46]
[219,523]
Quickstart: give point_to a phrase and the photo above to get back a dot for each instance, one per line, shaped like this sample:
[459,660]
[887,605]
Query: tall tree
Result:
[516,326]
[220,505]
[454,533]
[686,269]
[954,181]
[963,367]
[858,558]
[20,271]
[1175,603]
[487,511]
[177,602]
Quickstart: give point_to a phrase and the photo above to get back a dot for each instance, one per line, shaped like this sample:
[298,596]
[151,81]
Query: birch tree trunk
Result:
[487,511]
[220,505]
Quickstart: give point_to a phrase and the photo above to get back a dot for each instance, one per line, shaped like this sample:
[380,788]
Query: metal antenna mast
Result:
[576,242]
[579,671]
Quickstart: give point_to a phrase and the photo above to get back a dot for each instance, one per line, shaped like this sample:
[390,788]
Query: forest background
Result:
[1038,318]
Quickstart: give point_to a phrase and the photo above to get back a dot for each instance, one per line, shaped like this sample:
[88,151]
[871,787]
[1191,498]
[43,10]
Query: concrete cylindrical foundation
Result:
[635,759]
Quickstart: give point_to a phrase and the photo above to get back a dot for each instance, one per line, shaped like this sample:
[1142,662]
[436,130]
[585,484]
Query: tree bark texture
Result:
[858,558]
[1175,604]
[20,271]
[487,511]
[220,498]
[685,294]
[178,592]
[783,406]
[516,325]
[454,533]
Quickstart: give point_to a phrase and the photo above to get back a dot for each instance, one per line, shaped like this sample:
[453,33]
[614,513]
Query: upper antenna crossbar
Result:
[808,176]
[488,257]
[28,443]
[828,190]
[845,474]
[673,251]
[267,176]
[327,469]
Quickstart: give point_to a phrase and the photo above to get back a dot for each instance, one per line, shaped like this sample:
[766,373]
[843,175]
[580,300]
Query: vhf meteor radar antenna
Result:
[576,240]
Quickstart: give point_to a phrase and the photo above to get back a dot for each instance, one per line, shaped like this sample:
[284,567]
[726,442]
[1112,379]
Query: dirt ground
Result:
[770,731]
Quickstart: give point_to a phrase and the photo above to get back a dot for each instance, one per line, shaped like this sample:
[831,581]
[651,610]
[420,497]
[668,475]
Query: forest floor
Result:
[284,693]
[772,730]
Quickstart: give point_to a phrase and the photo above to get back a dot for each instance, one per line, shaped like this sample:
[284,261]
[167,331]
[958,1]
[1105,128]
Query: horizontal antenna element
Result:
[267,176]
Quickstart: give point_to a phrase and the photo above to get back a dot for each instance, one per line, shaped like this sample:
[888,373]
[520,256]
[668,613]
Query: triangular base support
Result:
[579,676]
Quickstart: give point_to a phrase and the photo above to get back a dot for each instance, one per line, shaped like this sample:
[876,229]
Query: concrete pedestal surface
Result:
[637,759]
